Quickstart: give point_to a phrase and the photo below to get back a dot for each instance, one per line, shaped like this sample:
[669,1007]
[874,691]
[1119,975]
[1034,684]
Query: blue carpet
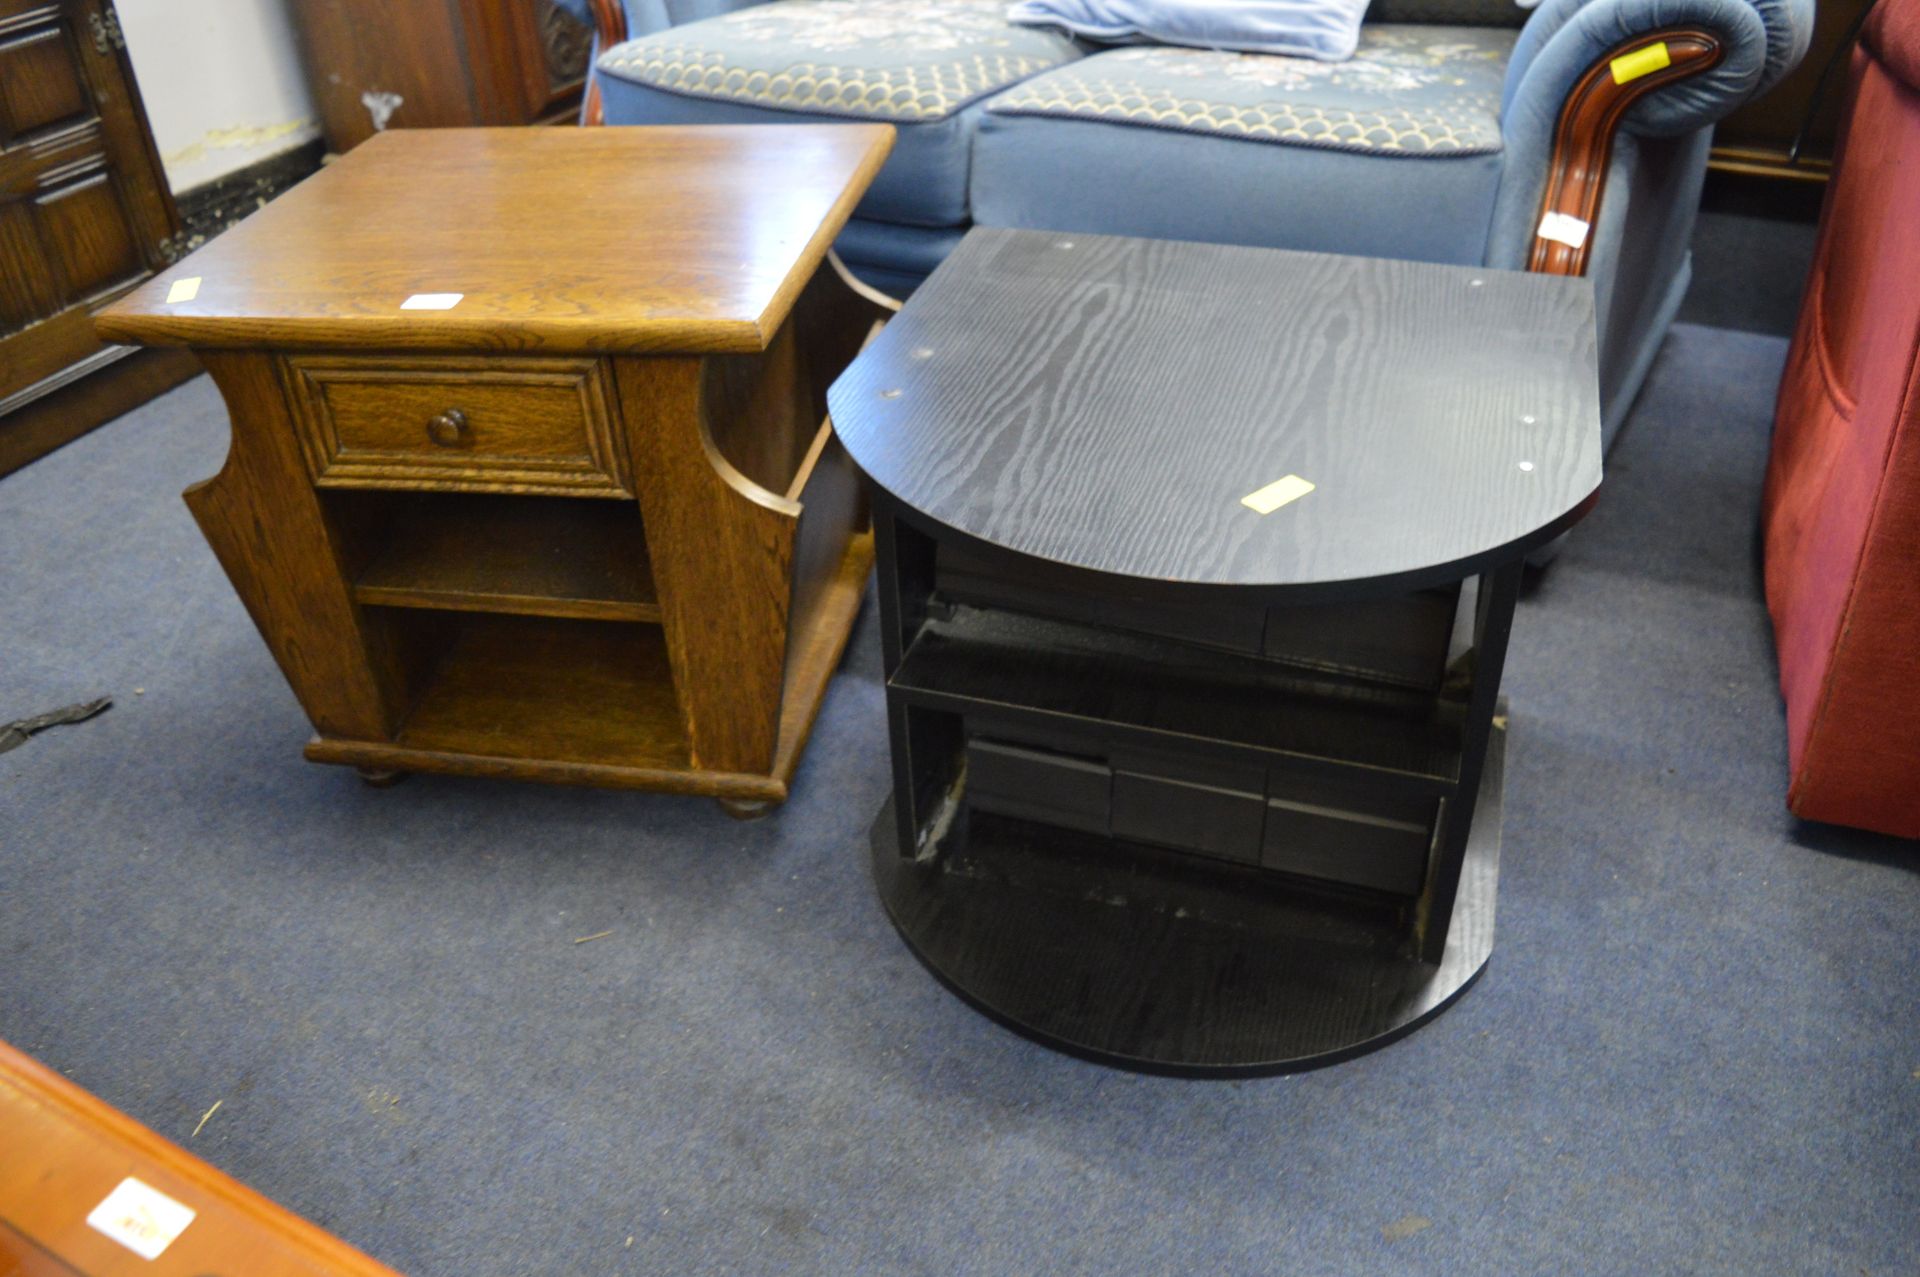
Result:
[1696,1049]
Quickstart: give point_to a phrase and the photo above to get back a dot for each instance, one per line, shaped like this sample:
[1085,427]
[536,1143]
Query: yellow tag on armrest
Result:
[1631,66]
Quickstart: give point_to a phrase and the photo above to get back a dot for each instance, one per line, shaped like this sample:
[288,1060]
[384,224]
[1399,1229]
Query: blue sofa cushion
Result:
[893,258]
[1394,154]
[898,60]
[923,65]
[1408,90]
[924,181]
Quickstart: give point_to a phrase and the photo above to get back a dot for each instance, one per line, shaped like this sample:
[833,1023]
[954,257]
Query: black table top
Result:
[1106,403]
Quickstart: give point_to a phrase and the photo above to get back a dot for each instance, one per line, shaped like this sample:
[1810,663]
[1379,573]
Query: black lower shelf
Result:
[1084,948]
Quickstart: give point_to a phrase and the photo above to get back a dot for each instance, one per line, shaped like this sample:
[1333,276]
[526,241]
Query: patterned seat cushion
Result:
[924,66]
[1408,90]
[906,61]
[1397,153]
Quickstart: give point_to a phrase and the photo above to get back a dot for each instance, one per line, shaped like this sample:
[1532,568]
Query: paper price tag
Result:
[432,301]
[1276,494]
[1564,228]
[140,1217]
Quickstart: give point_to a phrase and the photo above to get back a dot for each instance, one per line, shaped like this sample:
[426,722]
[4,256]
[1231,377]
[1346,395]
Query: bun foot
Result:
[381,777]
[747,808]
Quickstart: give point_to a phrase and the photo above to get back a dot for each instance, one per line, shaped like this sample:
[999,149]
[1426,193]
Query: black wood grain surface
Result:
[1105,403]
[1086,945]
[1029,667]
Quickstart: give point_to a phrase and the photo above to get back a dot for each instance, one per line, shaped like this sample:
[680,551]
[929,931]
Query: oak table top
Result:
[1111,404]
[561,241]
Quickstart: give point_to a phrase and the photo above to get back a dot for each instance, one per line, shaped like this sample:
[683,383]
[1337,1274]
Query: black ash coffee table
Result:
[1197,566]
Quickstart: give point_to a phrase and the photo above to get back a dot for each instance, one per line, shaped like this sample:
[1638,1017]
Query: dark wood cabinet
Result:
[439,63]
[84,216]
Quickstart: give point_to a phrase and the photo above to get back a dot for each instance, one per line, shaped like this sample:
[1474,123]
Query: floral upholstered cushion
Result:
[1407,90]
[903,60]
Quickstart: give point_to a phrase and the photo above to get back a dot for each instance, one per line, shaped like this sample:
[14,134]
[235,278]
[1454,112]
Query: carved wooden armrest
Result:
[609,29]
[1583,140]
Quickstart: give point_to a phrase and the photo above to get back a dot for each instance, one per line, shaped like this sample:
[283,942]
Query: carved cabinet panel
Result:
[556,75]
[439,63]
[84,209]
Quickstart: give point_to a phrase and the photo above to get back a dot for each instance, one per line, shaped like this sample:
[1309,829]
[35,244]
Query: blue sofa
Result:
[1464,131]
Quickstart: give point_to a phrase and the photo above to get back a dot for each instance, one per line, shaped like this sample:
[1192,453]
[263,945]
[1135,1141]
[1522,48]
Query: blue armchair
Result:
[1571,139]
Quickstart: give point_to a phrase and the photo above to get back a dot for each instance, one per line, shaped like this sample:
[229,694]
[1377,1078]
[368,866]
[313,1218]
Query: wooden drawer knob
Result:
[449,429]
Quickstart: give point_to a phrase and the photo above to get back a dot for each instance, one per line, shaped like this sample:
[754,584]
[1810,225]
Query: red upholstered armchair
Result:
[1843,490]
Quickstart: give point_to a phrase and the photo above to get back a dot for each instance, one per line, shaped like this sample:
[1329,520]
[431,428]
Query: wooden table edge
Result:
[130,320]
[1285,593]
[38,1083]
[467,335]
[814,255]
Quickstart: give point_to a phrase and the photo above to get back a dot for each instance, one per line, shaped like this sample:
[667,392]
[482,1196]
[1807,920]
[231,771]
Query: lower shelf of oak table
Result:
[592,702]
[534,556]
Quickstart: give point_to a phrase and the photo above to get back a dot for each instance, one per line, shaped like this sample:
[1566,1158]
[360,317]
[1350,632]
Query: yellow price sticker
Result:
[1631,66]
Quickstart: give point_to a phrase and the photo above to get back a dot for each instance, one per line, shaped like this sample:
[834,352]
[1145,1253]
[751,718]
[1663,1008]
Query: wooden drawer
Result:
[470,424]
[1039,784]
[1348,831]
[1191,804]
[1401,640]
[1336,829]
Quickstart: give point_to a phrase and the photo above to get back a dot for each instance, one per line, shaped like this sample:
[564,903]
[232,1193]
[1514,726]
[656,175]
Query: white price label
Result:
[141,1218]
[1564,228]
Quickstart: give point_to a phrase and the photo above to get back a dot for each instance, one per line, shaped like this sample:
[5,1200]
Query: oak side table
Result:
[1197,567]
[530,473]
